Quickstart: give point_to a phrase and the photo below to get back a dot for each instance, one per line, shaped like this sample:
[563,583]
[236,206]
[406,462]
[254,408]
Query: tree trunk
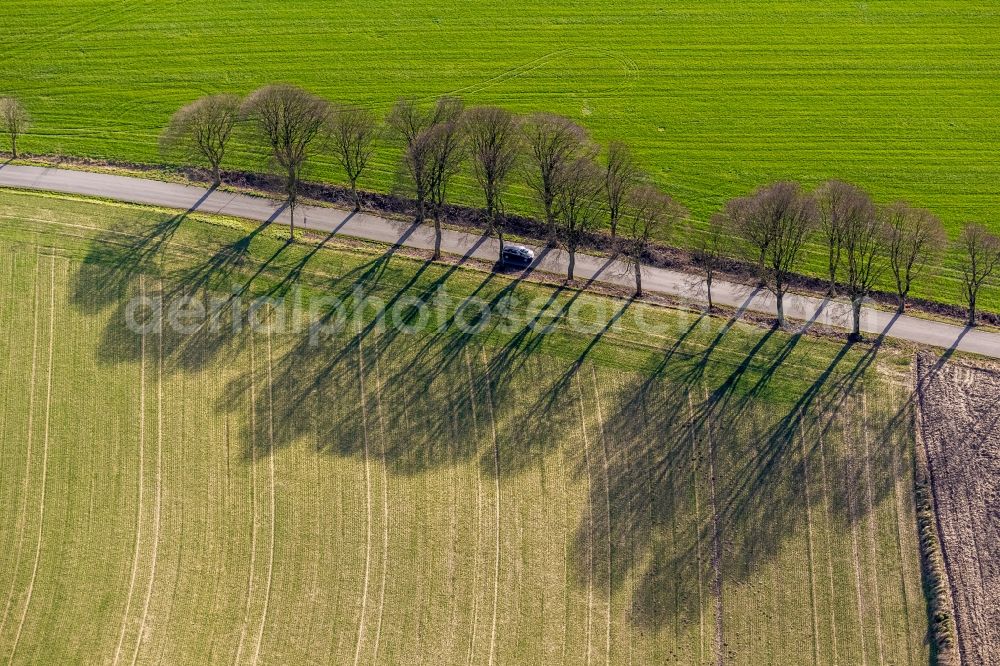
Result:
[614,226]
[437,237]
[216,176]
[708,282]
[902,304]
[500,238]
[572,264]
[291,222]
[781,309]
[421,213]
[638,280]
[856,310]
[13,146]
[357,197]
[972,310]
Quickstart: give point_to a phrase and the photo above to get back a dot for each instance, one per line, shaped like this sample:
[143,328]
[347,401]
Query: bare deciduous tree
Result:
[409,120]
[647,213]
[839,205]
[980,263]
[353,132]
[494,145]
[201,130]
[553,143]
[578,187]
[774,223]
[710,250]
[621,177]
[916,240]
[446,147]
[288,120]
[749,217]
[14,120]
[863,243]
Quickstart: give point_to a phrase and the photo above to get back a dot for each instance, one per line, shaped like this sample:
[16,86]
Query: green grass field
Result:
[505,495]
[715,97]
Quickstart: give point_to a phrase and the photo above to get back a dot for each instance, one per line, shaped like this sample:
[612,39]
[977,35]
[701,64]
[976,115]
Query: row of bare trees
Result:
[861,242]
[553,155]
[578,186]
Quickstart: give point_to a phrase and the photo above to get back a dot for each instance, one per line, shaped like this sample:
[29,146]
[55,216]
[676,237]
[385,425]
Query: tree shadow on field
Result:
[706,479]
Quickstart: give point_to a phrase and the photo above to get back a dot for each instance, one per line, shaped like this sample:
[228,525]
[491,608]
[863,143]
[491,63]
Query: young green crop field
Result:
[663,488]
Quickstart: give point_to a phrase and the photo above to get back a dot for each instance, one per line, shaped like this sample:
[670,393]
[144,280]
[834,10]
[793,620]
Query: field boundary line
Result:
[368,508]
[159,490]
[607,506]
[271,499]
[23,517]
[45,462]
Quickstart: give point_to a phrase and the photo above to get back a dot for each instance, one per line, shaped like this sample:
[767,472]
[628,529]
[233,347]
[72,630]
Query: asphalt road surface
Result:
[674,283]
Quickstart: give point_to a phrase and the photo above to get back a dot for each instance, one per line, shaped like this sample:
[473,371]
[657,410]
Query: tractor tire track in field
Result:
[253,503]
[139,498]
[45,462]
[385,510]
[716,544]
[870,516]
[692,441]
[368,509]
[479,522]
[157,504]
[607,509]
[23,512]
[810,548]
[590,521]
[496,517]
[852,514]
[271,500]
[899,472]
[827,529]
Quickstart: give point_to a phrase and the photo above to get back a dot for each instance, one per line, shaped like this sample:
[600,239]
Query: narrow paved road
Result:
[370,227]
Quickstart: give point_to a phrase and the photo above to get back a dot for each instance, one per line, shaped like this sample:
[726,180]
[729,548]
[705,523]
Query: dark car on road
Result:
[516,256]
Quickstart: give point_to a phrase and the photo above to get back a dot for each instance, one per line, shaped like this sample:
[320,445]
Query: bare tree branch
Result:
[710,249]
[578,200]
[863,244]
[774,223]
[621,176]
[201,130]
[980,263]
[553,143]
[288,120]
[839,204]
[409,120]
[353,132]
[494,145]
[446,146]
[647,213]
[14,120]
[915,244]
